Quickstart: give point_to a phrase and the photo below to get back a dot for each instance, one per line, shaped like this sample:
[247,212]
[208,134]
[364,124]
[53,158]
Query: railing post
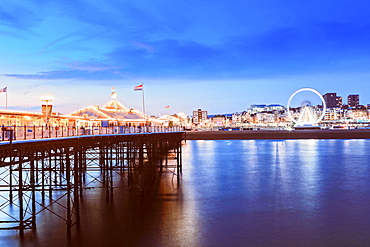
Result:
[20,198]
[15,132]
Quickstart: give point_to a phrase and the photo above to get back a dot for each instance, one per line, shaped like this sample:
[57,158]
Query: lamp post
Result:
[46,99]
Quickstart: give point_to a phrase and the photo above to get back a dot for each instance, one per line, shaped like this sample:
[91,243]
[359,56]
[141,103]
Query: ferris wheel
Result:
[306,114]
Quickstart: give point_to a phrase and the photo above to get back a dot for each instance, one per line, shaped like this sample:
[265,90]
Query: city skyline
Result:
[219,56]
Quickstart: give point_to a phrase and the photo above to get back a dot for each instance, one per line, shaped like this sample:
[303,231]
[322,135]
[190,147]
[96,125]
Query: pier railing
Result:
[40,132]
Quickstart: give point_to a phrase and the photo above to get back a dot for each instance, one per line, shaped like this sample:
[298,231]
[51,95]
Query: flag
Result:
[3,90]
[167,107]
[139,88]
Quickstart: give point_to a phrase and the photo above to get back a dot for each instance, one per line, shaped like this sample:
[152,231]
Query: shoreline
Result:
[278,134]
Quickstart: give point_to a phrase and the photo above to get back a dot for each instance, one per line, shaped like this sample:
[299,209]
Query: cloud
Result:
[72,74]
[141,45]
[24,108]
[19,15]
[279,52]
[30,89]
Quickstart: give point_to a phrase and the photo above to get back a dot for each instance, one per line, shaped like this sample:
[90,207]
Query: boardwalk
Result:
[40,132]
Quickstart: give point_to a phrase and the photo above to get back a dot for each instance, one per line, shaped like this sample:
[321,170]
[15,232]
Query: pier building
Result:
[21,118]
[114,113]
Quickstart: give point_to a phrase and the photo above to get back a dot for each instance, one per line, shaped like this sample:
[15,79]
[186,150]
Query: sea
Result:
[230,193]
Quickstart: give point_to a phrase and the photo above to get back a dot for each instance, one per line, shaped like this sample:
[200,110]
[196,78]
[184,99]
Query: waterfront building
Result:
[262,113]
[332,100]
[27,118]
[237,117]
[353,100]
[256,108]
[265,108]
[112,114]
[275,107]
[266,117]
[334,114]
[115,113]
[354,113]
[179,119]
[199,116]
[219,121]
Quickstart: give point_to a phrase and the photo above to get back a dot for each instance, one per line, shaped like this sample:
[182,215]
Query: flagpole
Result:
[142,93]
[6,100]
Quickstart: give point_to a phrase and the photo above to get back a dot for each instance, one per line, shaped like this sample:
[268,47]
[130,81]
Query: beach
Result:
[279,134]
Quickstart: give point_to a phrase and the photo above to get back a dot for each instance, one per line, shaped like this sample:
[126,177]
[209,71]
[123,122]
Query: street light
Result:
[46,99]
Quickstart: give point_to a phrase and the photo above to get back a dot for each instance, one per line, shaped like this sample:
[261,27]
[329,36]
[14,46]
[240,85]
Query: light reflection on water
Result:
[238,193]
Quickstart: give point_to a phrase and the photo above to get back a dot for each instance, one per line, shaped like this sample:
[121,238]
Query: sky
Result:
[216,55]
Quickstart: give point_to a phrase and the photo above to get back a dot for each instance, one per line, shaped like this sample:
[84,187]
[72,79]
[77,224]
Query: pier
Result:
[37,175]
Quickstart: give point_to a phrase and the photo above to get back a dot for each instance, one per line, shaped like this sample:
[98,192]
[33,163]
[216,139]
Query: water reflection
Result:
[284,193]
[232,193]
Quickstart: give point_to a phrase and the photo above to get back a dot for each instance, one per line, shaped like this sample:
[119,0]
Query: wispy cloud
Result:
[20,16]
[142,41]
[72,74]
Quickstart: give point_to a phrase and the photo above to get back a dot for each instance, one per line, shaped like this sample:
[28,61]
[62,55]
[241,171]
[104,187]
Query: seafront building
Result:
[274,115]
[332,100]
[200,116]
[353,100]
[27,118]
[113,113]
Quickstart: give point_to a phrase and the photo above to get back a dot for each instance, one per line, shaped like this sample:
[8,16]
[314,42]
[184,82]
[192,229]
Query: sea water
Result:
[231,193]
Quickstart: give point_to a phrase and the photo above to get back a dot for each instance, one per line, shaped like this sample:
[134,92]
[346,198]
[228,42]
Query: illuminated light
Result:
[46,98]
[311,120]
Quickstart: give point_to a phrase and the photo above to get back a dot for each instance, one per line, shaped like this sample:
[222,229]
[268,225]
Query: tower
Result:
[353,100]
[332,100]
[113,94]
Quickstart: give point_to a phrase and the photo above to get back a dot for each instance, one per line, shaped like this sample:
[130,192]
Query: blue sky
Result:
[217,55]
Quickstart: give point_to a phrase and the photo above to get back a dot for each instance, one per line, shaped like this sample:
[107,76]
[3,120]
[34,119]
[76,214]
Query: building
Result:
[353,100]
[275,107]
[253,109]
[219,121]
[199,116]
[115,113]
[357,114]
[256,108]
[334,114]
[332,100]
[265,117]
[26,118]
